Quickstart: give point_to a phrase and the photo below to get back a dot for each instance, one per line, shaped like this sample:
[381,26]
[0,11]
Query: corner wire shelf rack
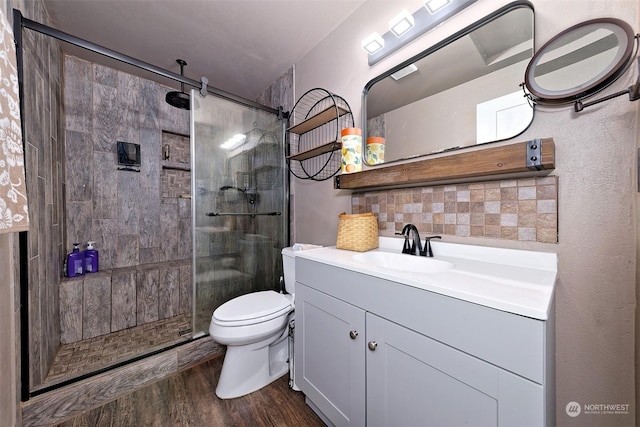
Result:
[314,135]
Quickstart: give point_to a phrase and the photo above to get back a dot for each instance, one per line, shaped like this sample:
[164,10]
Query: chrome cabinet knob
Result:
[353,334]
[372,345]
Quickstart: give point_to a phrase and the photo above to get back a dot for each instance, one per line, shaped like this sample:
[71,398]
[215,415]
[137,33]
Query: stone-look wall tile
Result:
[56,188]
[129,92]
[31,166]
[123,299]
[128,206]
[151,98]
[280,93]
[79,167]
[185,239]
[96,313]
[150,141]
[105,188]
[106,117]
[71,297]
[106,76]
[51,292]
[151,255]
[169,291]
[80,228]
[105,233]
[169,227]
[186,288]
[147,295]
[184,208]
[516,209]
[35,322]
[42,99]
[78,95]
[127,254]
[150,230]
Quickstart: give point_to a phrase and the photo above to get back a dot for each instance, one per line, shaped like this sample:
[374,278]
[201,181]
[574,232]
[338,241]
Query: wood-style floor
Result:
[187,399]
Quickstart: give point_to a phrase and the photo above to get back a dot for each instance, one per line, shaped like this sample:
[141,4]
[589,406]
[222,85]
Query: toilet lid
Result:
[263,305]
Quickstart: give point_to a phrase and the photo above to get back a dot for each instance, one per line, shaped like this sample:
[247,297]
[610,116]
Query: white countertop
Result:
[516,281]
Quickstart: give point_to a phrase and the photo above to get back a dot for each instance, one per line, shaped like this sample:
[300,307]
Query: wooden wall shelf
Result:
[491,161]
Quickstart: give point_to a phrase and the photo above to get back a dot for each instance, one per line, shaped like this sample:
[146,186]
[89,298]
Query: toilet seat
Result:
[249,309]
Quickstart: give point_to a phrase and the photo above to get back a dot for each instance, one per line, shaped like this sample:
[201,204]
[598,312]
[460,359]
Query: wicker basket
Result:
[358,232]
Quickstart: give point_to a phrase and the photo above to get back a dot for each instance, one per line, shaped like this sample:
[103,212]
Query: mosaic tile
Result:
[515,209]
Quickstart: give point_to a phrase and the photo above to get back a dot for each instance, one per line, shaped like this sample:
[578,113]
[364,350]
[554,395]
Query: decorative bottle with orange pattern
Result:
[351,150]
[375,150]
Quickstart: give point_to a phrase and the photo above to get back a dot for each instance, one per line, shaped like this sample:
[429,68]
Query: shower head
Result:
[252,195]
[179,99]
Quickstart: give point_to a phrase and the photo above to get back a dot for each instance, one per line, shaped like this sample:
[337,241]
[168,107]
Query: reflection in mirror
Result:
[580,61]
[460,92]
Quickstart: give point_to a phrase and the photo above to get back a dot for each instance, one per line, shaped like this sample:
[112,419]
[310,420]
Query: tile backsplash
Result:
[518,209]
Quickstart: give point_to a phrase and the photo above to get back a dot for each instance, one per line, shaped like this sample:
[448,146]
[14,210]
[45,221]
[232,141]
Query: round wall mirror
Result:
[580,61]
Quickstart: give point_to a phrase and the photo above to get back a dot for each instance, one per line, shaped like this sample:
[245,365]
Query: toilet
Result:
[254,327]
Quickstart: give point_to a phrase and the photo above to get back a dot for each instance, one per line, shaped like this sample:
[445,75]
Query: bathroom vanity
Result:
[471,343]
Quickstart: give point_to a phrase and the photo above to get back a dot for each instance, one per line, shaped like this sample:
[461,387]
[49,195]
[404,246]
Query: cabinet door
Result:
[330,355]
[413,380]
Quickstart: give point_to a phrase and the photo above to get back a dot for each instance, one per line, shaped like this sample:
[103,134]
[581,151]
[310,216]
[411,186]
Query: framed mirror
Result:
[580,61]
[460,92]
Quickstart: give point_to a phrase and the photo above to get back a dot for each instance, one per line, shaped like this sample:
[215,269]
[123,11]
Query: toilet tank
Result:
[289,267]
[289,264]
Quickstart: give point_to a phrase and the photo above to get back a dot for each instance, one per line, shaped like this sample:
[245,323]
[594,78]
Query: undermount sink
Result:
[403,262]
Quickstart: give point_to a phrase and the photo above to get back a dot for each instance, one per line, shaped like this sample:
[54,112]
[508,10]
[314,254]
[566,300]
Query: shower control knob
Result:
[372,345]
[353,334]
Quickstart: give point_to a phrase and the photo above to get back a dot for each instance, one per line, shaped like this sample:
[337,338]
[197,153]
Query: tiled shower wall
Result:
[516,209]
[44,165]
[132,218]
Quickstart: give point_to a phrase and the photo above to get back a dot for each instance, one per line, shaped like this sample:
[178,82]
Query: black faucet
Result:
[428,252]
[415,247]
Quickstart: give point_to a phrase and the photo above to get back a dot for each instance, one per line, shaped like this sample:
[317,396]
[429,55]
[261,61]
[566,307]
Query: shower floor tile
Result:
[86,356]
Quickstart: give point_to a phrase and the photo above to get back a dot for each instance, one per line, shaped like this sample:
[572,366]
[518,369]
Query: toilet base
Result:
[248,368]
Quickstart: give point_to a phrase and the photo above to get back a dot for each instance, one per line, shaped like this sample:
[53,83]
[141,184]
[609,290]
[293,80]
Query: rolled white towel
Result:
[304,246]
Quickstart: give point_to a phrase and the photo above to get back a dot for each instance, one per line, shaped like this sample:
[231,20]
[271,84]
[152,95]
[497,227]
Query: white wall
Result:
[595,163]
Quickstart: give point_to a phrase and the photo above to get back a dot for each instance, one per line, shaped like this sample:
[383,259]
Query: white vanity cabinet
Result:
[374,352]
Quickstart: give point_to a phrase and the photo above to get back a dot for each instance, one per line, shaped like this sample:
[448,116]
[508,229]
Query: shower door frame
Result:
[21,23]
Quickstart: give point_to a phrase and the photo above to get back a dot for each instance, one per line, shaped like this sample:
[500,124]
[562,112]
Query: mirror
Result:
[580,61]
[463,91]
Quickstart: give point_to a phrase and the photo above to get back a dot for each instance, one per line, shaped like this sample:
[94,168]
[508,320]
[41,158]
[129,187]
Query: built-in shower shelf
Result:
[177,167]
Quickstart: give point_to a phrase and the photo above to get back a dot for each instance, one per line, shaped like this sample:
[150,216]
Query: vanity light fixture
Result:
[373,43]
[401,33]
[411,68]
[233,142]
[434,6]
[401,23]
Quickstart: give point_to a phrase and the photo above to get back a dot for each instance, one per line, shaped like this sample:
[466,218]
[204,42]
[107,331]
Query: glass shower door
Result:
[240,202]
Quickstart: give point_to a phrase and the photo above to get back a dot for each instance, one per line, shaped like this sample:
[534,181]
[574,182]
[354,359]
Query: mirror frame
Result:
[441,44]
[609,74]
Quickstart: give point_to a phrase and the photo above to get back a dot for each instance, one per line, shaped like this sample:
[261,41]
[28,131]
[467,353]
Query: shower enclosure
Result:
[200,220]
[240,203]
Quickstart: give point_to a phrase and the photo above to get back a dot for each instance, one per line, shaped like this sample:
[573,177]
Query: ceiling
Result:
[241,46]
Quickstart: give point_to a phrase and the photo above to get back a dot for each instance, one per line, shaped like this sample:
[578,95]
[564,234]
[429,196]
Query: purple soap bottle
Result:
[75,262]
[91,258]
